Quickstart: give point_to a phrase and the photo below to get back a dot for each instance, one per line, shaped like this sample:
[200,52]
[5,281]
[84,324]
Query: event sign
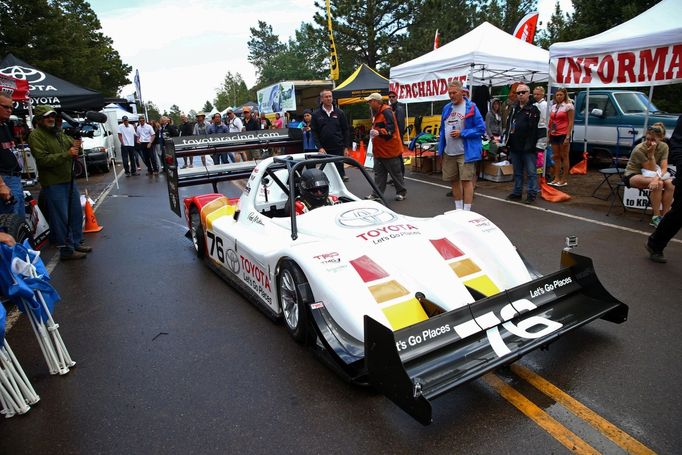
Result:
[280,97]
[650,66]
[426,86]
[17,89]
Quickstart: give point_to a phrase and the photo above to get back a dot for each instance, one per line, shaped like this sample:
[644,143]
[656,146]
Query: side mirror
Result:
[597,112]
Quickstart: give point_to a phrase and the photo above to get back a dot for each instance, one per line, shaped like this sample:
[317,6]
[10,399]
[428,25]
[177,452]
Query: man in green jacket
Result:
[54,153]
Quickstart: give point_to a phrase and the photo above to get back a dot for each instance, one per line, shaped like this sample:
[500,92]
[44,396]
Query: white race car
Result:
[414,306]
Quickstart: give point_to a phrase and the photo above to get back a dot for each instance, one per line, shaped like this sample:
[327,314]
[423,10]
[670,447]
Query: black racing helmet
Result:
[314,187]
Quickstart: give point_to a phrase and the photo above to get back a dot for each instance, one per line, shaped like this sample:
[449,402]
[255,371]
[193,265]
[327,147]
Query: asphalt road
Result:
[172,360]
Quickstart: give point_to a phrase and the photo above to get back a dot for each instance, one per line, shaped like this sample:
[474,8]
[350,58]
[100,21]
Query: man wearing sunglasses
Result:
[54,152]
[523,136]
[11,191]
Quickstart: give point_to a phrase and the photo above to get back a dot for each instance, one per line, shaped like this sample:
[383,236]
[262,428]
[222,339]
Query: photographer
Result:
[54,153]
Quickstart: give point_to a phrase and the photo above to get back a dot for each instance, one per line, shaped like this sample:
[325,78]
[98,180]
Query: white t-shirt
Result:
[127,134]
[454,145]
[145,132]
[542,107]
[235,125]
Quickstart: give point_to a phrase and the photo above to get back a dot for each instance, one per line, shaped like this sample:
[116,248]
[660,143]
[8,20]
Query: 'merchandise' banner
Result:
[425,87]
[651,66]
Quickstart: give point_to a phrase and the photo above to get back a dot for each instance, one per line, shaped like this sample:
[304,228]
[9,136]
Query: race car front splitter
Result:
[419,363]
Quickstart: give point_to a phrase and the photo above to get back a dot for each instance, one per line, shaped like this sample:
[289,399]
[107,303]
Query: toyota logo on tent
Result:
[363,217]
[31,75]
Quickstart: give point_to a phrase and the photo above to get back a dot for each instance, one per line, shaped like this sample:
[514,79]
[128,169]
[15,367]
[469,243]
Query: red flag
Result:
[436,41]
[16,88]
[526,29]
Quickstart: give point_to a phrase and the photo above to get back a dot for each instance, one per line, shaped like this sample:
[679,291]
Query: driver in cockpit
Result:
[313,191]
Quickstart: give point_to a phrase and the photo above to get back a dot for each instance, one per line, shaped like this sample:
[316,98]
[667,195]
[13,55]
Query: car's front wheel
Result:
[196,231]
[17,227]
[290,281]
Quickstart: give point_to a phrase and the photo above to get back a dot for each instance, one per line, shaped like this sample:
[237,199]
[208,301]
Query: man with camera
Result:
[11,191]
[54,153]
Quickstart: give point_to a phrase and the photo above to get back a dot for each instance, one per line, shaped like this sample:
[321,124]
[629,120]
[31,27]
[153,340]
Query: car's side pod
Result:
[413,365]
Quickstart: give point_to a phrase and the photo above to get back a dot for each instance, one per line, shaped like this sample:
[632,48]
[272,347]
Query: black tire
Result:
[294,307]
[17,227]
[78,169]
[196,232]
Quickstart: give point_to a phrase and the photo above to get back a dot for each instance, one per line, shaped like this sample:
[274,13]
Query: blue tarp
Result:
[20,288]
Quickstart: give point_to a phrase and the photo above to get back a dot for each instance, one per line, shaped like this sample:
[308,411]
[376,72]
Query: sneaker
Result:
[83,248]
[529,200]
[399,197]
[372,197]
[655,220]
[345,178]
[184,166]
[127,174]
[656,256]
[514,197]
[73,255]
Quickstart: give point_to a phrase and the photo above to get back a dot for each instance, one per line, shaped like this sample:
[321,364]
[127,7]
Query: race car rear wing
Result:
[289,139]
[416,364]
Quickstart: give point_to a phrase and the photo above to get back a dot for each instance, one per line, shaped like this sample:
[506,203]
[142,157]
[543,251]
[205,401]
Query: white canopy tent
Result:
[646,50]
[484,56]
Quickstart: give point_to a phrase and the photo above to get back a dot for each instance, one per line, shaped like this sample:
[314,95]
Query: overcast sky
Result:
[184,48]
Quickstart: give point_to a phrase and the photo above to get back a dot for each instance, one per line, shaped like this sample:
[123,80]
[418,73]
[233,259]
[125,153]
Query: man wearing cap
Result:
[201,129]
[330,129]
[308,142]
[54,153]
[250,124]
[386,146]
[126,135]
[11,191]
[145,142]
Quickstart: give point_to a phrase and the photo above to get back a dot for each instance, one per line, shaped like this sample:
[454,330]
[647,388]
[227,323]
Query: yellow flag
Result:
[333,58]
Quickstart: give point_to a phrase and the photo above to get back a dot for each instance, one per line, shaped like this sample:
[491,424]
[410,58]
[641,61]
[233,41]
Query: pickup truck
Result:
[616,122]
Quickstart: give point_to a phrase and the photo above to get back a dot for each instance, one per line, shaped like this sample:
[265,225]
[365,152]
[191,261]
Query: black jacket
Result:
[523,128]
[399,111]
[330,132]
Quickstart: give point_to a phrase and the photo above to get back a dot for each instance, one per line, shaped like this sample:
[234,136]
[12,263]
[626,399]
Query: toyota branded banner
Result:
[428,86]
[649,66]
[45,88]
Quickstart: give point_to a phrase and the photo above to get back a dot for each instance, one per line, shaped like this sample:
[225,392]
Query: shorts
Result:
[557,139]
[455,169]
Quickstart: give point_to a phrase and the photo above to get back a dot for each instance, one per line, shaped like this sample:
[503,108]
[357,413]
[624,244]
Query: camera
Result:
[78,130]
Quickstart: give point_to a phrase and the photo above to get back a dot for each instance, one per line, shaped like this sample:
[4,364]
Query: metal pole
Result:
[587,117]
[646,112]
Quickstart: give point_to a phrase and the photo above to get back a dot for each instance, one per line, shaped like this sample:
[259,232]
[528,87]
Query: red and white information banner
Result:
[426,86]
[651,66]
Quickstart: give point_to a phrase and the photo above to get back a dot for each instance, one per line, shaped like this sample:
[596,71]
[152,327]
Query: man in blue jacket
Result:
[460,144]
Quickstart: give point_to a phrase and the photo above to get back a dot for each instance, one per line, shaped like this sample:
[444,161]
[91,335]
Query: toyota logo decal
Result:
[31,75]
[363,217]
[232,261]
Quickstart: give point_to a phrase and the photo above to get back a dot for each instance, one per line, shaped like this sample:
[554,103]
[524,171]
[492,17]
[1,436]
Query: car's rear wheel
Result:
[17,227]
[196,231]
[290,281]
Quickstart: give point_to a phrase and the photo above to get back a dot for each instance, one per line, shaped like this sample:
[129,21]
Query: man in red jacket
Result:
[386,147]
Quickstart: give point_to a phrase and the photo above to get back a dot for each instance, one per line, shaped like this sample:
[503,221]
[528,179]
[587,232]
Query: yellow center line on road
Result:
[559,432]
[615,434]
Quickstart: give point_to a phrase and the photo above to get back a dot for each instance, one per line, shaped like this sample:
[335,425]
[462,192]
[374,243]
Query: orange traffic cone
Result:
[362,153]
[581,167]
[90,219]
[551,194]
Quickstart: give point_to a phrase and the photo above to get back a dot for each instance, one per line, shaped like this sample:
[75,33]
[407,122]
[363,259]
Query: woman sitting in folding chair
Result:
[648,169]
